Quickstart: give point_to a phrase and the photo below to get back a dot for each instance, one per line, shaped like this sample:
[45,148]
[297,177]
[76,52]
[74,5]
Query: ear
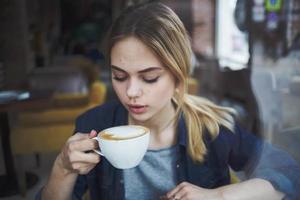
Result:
[179,88]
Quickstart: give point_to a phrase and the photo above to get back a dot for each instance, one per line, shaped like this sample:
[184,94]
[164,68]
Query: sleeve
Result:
[280,169]
[260,159]
[80,187]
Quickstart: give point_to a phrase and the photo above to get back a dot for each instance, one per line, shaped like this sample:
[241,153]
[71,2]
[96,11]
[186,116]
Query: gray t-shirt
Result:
[154,176]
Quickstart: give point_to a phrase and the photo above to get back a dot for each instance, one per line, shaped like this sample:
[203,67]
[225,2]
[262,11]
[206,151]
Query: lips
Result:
[137,109]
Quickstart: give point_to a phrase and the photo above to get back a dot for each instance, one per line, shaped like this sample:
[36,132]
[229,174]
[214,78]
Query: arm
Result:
[270,170]
[70,162]
[248,190]
[60,183]
[261,160]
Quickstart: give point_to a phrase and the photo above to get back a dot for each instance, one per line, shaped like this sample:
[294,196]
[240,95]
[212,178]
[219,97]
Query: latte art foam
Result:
[123,132]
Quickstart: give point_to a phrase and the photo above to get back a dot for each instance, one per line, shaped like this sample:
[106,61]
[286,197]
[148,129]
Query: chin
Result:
[140,117]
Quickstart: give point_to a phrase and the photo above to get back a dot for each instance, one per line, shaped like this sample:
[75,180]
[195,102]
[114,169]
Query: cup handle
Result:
[95,150]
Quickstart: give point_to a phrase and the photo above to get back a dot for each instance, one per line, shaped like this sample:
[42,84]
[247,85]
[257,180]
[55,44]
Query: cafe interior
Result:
[246,55]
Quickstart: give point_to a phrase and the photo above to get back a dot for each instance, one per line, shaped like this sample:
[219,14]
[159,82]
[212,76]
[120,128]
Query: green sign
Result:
[273,5]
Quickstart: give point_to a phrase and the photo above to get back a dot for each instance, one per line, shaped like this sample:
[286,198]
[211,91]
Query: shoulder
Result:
[100,117]
[237,138]
[238,148]
[237,132]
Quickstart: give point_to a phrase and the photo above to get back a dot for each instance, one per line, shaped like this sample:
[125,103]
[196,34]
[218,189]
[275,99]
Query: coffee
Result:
[123,146]
[123,132]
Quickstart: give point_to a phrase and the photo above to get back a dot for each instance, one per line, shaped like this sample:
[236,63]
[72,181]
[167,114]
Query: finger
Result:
[181,194]
[82,167]
[163,197]
[187,191]
[172,193]
[83,145]
[84,157]
[93,133]
[79,136]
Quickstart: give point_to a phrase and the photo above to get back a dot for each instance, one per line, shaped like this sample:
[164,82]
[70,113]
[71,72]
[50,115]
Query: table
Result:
[22,100]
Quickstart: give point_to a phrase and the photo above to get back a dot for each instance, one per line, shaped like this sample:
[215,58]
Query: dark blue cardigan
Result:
[239,150]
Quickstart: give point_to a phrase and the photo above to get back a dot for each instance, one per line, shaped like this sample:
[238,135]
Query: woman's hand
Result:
[247,190]
[188,191]
[73,159]
[76,156]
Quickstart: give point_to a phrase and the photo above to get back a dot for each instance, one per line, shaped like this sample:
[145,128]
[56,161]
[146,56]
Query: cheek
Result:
[163,92]
[119,89]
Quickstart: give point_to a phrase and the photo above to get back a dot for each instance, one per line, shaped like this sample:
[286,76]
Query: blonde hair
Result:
[158,27]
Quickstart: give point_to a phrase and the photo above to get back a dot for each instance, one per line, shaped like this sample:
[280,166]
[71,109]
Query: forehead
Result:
[131,53]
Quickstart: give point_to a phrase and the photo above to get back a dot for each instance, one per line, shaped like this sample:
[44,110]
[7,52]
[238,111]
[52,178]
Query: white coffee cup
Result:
[123,146]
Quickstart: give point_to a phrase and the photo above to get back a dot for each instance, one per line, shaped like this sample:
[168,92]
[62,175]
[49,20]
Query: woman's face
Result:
[144,86]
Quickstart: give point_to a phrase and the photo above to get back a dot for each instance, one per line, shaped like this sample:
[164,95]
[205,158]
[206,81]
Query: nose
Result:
[134,89]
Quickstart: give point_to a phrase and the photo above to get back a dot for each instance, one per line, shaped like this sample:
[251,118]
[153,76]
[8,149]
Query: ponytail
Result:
[203,115]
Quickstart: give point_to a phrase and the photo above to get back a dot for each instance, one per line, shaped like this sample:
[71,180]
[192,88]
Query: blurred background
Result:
[52,68]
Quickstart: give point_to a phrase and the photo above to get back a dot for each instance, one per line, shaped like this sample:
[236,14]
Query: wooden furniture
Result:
[9,184]
[45,130]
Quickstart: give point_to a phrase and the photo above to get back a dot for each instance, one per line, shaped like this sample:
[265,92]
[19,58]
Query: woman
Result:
[193,142]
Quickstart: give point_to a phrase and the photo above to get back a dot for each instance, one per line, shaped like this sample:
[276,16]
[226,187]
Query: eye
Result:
[119,76]
[150,80]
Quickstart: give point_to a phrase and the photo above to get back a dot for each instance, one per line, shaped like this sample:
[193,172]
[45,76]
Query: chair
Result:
[42,131]
[54,124]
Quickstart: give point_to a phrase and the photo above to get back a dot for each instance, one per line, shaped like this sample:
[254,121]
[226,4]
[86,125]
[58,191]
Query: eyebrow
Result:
[149,69]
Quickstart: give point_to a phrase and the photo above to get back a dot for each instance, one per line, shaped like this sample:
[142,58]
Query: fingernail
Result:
[93,133]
